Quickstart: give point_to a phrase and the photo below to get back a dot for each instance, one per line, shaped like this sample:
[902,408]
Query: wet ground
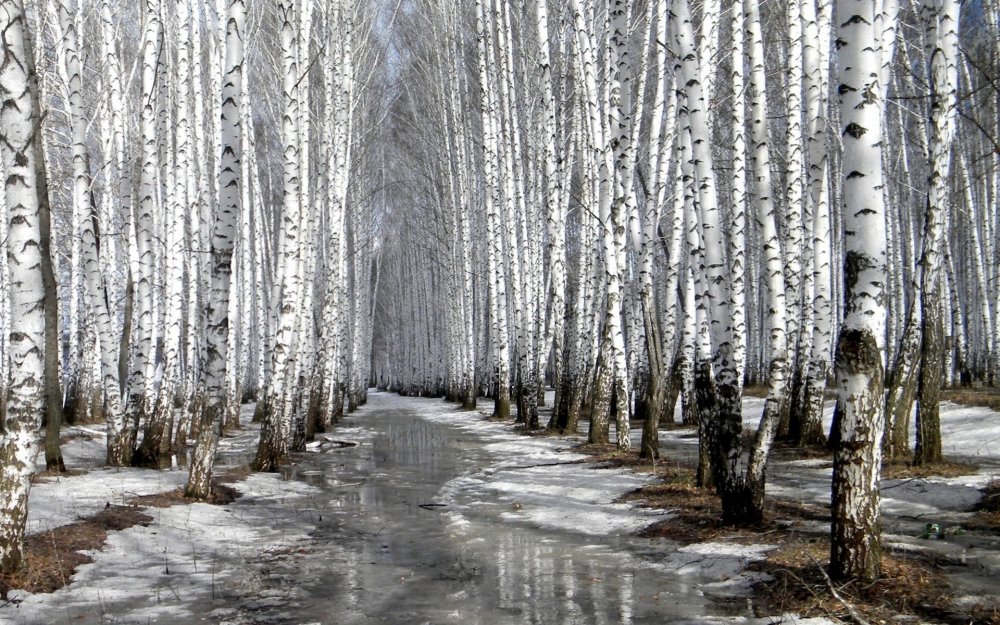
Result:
[411,511]
[405,535]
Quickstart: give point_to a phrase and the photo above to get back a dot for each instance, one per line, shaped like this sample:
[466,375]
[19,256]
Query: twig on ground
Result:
[819,600]
[901,483]
[851,610]
[536,466]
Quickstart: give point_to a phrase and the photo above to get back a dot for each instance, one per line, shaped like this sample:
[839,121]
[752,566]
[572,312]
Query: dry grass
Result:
[985,614]
[221,495]
[233,474]
[785,451]
[222,491]
[758,390]
[539,432]
[51,557]
[901,469]
[41,477]
[907,587]
[987,517]
[982,397]
[68,437]
[695,511]
[991,497]
[607,456]
[697,514]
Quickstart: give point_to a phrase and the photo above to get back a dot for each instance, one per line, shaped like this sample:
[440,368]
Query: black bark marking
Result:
[855,130]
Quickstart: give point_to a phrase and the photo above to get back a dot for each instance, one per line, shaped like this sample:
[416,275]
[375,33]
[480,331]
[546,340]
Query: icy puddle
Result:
[439,517]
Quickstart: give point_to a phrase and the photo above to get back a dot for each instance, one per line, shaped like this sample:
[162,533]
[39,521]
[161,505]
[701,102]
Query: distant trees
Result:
[635,175]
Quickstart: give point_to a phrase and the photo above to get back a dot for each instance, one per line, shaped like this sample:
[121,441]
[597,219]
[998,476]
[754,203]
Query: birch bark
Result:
[140,379]
[26,199]
[276,431]
[860,370]
[90,238]
[717,372]
[941,17]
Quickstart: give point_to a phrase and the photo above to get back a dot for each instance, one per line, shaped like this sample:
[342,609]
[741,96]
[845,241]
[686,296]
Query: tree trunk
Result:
[276,430]
[199,485]
[941,17]
[856,542]
[140,383]
[26,199]
[928,447]
[902,385]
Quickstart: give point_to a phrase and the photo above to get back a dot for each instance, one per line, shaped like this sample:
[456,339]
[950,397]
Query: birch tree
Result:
[223,235]
[26,201]
[497,279]
[816,16]
[860,369]
[87,214]
[276,430]
[941,17]
[140,383]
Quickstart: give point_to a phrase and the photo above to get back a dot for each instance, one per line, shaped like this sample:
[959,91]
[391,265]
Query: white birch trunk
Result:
[941,22]
[230,196]
[724,419]
[774,276]
[860,369]
[554,206]
[140,380]
[276,431]
[25,199]
[88,229]
[816,18]
[497,281]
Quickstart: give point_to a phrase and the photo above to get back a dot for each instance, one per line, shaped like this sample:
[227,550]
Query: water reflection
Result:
[379,557]
[549,581]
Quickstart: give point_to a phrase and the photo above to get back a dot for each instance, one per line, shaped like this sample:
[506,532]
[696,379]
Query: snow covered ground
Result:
[164,572]
[174,570]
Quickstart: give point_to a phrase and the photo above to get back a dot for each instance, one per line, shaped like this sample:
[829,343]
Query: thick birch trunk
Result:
[497,280]
[743,502]
[717,376]
[230,197]
[856,544]
[26,199]
[90,239]
[816,18]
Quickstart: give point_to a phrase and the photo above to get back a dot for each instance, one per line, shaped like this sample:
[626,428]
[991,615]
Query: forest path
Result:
[438,516]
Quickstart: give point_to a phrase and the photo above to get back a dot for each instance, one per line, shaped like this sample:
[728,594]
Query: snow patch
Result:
[715,559]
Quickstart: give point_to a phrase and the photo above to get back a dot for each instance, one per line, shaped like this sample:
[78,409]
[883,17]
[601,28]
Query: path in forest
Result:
[437,516]
[434,515]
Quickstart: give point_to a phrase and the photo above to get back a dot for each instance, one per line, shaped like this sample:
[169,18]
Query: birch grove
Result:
[629,213]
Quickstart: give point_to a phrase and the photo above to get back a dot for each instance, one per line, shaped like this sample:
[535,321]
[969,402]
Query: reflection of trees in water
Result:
[547,583]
